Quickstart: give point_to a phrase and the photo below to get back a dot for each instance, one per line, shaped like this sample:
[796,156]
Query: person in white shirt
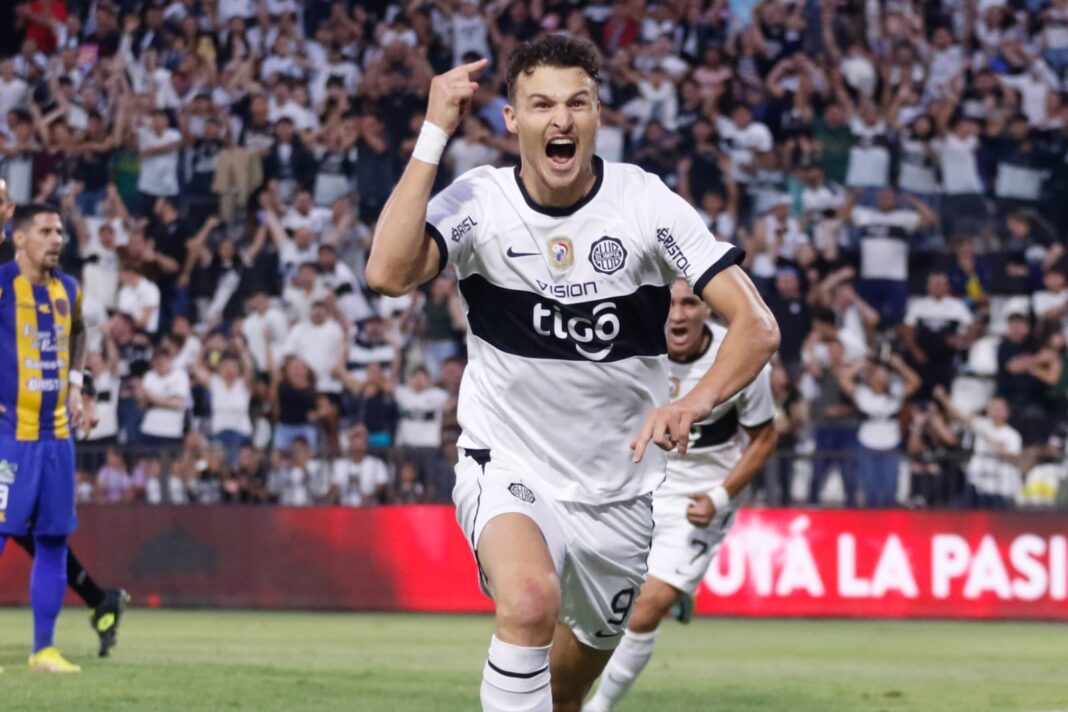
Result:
[742,139]
[360,479]
[159,146]
[303,290]
[264,328]
[13,91]
[320,342]
[230,391]
[993,471]
[885,232]
[1051,304]
[298,480]
[139,298]
[165,395]
[421,408]
[963,203]
[879,399]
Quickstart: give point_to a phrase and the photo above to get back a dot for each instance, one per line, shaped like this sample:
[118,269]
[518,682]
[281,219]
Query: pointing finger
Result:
[475,66]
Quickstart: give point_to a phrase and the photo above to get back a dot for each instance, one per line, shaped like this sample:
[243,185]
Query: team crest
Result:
[62,307]
[561,253]
[521,491]
[608,255]
[673,387]
[7,472]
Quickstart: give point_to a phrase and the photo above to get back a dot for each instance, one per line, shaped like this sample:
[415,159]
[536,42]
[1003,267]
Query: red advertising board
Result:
[781,562]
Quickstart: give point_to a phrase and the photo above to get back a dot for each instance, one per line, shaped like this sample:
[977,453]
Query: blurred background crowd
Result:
[896,172]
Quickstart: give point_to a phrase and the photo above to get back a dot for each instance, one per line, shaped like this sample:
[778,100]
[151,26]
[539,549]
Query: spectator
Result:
[992,472]
[113,482]
[297,480]
[264,328]
[229,388]
[138,298]
[935,475]
[319,341]
[359,479]
[1022,391]
[884,251]
[296,405]
[879,400]
[165,397]
[159,145]
[791,311]
[421,407]
[409,490]
[937,329]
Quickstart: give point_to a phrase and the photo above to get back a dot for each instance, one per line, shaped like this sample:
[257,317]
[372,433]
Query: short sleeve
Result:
[684,245]
[757,405]
[965,316]
[911,316]
[454,217]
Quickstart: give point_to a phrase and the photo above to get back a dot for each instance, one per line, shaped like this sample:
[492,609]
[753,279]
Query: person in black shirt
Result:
[94,155]
[791,311]
[1025,394]
[203,157]
[171,238]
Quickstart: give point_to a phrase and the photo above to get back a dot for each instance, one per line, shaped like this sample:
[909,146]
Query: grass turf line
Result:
[237,660]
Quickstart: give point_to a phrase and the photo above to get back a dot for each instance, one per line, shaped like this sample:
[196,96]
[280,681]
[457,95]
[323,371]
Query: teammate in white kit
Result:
[694,508]
[565,266]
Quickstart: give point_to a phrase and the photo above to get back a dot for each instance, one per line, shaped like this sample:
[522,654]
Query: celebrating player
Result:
[694,507]
[109,604]
[565,266]
[42,353]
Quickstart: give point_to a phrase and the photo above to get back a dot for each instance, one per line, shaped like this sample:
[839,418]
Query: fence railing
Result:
[832,479]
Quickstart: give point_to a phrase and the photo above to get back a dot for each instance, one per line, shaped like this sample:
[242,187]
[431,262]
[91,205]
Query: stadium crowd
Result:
[894,170]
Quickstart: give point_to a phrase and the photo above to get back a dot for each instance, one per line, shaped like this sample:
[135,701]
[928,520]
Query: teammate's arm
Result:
[762,442]
[403,254]
[752,338]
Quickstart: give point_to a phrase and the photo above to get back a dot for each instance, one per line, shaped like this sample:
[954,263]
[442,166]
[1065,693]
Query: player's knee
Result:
[530,605]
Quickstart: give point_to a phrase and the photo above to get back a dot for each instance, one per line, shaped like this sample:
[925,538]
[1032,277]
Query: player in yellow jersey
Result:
[42,357]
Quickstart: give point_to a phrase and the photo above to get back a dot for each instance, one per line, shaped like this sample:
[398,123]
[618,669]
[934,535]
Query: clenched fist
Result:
[450,96]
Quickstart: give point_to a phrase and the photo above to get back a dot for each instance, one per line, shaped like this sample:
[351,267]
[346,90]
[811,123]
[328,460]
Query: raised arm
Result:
[403,254]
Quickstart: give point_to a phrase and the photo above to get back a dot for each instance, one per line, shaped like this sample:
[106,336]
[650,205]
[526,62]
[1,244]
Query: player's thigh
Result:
[681,553]
[573,668]
[607,548]
[514,536]
[55,499]
[20,482]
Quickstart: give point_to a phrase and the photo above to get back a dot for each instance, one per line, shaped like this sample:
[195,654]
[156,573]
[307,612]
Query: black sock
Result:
[26,542]
[82,583]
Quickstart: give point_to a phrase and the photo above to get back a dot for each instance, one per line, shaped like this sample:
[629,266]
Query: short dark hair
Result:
[553,51]
[25,214]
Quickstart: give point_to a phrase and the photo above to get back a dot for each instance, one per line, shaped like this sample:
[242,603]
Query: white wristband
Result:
[431,144]
[721,499]
[76,378]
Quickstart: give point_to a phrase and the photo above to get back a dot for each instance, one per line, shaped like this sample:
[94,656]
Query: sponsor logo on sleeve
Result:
[466,225]
[608,255]
[7,472]
[672,250]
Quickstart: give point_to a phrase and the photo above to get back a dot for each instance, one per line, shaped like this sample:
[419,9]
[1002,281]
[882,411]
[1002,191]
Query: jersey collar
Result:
[559,212]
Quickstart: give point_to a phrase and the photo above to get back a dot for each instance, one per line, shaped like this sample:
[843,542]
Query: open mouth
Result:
[561,152]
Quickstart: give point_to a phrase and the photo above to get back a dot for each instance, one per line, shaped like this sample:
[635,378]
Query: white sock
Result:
[516,679]
[627,662]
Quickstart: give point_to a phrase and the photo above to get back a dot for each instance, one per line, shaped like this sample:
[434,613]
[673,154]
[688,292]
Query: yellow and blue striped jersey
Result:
[36,322]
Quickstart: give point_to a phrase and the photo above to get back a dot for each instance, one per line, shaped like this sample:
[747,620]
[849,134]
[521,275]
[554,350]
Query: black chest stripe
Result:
[535,326]
[715,433]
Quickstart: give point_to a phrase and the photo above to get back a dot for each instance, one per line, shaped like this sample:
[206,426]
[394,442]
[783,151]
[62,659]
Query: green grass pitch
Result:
[215,660]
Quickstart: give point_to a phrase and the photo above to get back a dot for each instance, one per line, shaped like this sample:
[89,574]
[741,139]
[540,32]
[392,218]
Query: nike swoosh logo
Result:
[513,253]
[601,634]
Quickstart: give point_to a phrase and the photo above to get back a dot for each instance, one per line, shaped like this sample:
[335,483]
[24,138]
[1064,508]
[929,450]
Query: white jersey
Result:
[714,446]
[566,310]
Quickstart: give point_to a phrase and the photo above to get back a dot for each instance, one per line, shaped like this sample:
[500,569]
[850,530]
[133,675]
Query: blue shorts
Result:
[37,487]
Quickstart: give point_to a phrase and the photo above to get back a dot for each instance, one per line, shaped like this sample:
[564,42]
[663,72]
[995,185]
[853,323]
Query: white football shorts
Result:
[681,552]
[600,551]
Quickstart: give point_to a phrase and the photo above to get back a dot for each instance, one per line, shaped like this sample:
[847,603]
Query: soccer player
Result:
[42,354]
[565,266]
[107,605]
[694,507]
